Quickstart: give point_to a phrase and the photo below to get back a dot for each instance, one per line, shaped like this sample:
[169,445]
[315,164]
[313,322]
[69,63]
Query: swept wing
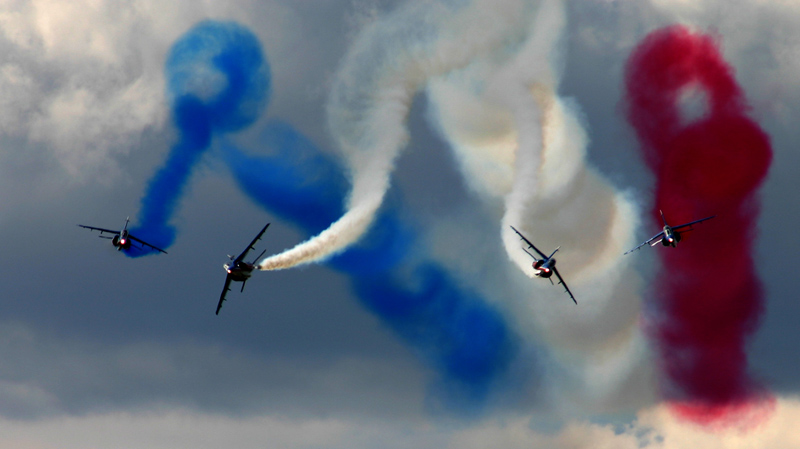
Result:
[561,281]
[145,243]
[225,291]
[687,225]
[530,245]
[102,230]
[649,241]
[250,246]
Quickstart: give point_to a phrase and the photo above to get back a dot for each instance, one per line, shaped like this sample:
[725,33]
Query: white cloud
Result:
[655,428]
[85,78]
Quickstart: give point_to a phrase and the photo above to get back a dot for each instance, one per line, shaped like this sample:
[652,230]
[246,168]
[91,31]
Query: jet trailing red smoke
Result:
[709,158]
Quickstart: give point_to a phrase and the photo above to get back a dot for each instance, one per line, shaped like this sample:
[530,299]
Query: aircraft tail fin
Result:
[662,218]
[554,252]
[259,257]
[243,282]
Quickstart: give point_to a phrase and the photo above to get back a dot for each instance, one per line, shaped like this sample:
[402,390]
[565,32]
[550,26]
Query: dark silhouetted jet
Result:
[121,239]
[546,266]
[670,235]
[239,270]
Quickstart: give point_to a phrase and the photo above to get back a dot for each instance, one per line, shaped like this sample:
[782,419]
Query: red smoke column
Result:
[709,297]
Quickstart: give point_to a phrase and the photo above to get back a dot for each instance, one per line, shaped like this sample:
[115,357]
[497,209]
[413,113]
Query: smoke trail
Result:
[502,56]
[373,90]
[523,147]
[710,298]
[456,331]
[217,82]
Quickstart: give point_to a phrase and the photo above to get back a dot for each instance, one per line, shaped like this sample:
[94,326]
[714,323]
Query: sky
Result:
[391,145]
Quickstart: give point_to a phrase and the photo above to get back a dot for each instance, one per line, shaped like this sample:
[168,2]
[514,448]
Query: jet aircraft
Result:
[121,239]
[669,235]
[239,270]
[546,266]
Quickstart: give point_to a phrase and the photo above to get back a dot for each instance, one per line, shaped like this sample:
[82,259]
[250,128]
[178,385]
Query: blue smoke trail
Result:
[218,82]
[456,331]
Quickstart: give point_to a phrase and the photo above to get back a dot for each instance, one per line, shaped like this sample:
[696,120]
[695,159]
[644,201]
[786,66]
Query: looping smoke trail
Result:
[217,82]
[710,298]
[373,90]
[465,339]
[523,147]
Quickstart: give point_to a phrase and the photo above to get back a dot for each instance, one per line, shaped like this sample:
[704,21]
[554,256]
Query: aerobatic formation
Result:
[520,147]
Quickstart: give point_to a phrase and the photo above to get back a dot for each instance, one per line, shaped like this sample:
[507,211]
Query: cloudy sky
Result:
[430,333]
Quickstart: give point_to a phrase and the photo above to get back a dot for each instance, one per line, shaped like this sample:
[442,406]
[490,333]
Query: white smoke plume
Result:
[491,73]
[519,143]
[372,94]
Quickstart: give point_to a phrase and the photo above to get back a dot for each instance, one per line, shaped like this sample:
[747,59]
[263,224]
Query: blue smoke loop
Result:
[218,82]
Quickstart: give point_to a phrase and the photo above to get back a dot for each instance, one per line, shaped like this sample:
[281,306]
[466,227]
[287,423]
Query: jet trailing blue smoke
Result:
[218,82]
[467,340]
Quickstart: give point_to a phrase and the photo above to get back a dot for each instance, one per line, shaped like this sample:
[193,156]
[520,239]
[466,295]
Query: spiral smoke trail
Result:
[373,91]
[522,146]
[491,72]
[218,82]
[711,300]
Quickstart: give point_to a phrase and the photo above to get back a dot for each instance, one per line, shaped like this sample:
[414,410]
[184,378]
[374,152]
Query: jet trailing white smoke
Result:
[519,143]
[491,72]
[373,90]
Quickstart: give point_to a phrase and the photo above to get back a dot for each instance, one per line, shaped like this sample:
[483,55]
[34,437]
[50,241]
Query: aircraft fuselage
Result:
[671,238]
[544,268]
[121,241]
[239,272]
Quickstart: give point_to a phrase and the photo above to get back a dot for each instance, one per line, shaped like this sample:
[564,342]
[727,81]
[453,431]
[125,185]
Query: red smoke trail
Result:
[709,298]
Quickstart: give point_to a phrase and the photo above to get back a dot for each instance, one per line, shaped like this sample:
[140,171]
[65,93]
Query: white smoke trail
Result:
[491,69]
[518,142]
[374,88]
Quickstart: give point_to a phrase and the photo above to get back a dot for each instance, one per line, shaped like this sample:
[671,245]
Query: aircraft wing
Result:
[249,247]
[146,244]
[686,225]
[561,281]
[530,245]
[92,228]
[647,242]
[225,291]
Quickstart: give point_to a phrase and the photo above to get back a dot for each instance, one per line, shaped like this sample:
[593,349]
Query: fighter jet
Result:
[121,239]
[669,235]
[239,270]
[546,266]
